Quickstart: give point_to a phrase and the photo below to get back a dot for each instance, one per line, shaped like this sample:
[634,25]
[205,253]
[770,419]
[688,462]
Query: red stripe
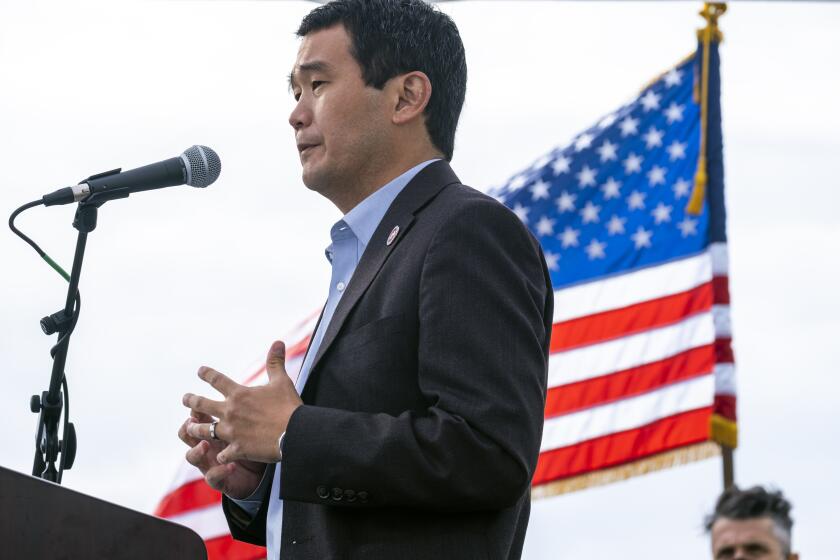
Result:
[623,447]
[725,406]
[634,381]
[721,287]
[631,319]
[723,351]
[190,496]
[225,548]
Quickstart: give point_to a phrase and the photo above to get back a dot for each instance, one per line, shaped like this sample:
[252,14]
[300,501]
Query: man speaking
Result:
[414,427]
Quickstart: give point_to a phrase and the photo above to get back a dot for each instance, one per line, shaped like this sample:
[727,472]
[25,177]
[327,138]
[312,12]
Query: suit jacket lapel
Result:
[425,185]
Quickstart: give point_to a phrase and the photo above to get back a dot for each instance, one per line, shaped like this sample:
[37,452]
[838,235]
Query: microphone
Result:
[198,166]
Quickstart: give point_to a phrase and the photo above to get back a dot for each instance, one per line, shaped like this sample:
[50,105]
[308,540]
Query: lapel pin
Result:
[393,235]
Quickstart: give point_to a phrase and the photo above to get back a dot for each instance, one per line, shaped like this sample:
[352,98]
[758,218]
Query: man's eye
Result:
[316,84]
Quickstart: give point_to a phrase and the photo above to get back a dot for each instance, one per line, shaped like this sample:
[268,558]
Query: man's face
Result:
[747,539]
[340,123]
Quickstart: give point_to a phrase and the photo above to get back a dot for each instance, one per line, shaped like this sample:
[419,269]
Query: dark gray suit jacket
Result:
[423,411]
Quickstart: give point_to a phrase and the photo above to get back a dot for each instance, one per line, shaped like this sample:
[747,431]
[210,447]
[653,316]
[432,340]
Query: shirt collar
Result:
[364,218]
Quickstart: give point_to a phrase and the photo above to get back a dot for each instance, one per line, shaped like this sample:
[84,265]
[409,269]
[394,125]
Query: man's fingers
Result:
[202,431]
[216,476]
[200,417]
[275,362]
[197,457]
[219,381]
[204,405]
[229,454]
[185,436]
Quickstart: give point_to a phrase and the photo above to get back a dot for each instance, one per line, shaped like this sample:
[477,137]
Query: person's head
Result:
[751,524]
[378,84]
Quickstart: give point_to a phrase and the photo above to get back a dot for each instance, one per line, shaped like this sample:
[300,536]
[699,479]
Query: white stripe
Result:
[627,414]
[208,522]
[630,351]
[631,288]
[725,379]
[186,474]
[720,258]
[723,321]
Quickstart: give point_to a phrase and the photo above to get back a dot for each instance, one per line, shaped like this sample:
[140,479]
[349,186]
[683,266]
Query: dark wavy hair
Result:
[754,503]
[393,37]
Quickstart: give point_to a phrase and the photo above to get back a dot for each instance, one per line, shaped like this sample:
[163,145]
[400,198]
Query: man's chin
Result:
[313,180]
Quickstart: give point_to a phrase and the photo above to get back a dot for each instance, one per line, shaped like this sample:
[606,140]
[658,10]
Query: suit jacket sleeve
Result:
[484,320]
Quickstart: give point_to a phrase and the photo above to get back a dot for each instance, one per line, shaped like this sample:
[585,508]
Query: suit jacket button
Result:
[363,496]
[323,492]
[337,494]
[350,496]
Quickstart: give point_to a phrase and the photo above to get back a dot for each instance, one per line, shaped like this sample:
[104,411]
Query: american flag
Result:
[641,371]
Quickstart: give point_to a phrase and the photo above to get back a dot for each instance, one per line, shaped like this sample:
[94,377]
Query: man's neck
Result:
[374,179]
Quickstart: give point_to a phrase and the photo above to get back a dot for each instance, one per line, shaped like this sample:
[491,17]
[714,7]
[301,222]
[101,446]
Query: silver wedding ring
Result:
[213,430]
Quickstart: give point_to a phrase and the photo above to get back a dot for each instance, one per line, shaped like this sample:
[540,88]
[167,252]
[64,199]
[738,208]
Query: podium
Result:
[40,519]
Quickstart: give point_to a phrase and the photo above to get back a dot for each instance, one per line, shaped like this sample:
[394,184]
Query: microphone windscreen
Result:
[202,165]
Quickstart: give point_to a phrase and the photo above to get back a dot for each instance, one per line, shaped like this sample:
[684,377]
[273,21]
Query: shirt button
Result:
[340,286]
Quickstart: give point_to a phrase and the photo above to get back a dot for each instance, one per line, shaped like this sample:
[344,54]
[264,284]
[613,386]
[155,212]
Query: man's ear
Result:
[793,556]
[413,92]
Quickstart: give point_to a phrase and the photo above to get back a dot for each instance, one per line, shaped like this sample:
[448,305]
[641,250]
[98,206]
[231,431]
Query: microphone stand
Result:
[50,403]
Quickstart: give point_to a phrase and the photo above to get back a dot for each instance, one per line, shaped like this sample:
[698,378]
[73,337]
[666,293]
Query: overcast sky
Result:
[179,278]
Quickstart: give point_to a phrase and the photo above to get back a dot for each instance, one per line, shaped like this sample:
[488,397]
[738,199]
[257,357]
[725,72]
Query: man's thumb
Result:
[275,363]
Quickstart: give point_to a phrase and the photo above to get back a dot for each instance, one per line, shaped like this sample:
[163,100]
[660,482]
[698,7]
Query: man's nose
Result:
[300,116]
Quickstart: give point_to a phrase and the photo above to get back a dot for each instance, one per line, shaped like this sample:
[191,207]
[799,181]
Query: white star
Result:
[616,225]
[681,188]
[566,202]
[676,150]
[583,141]
[629,126]
[517,182]
[650,101]
[551,260]
[545,226]
[569,237]
[636,200]
[539,190]
[674,112]
[586,176]
[673,77]
[589,213]
[595,250]
[607,151]
[561,165]
[633,163]
[611,188]
[521,212]
[642,237]
[656,175]
[688,227]
[607,121]
[653,138]
[662,213]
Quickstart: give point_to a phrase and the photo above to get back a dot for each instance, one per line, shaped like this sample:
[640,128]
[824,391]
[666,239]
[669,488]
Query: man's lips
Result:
[303,147]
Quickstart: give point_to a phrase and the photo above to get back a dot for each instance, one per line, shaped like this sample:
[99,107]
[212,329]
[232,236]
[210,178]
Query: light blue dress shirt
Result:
[350,236]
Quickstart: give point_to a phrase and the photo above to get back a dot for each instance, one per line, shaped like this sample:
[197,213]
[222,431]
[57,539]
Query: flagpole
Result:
[711,12]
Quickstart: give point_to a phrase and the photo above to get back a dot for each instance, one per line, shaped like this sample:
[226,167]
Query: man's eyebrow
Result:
[314,66]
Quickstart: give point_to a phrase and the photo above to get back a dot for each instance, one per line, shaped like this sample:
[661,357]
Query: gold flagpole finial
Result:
[711,12]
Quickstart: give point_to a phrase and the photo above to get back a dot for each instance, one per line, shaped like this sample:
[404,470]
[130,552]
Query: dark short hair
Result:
[753,503]
[393,37]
